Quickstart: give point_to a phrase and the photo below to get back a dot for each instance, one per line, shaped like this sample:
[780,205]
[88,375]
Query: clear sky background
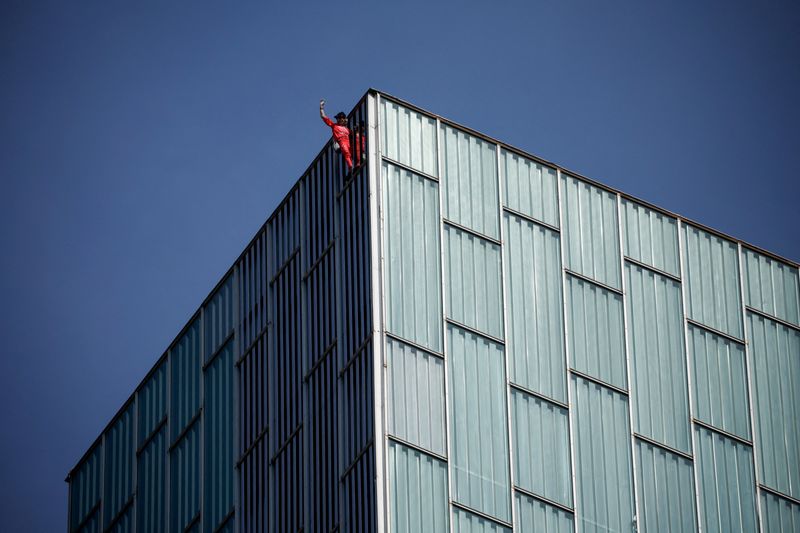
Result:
[142,144]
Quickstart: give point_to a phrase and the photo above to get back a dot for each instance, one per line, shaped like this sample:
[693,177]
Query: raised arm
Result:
[325,119]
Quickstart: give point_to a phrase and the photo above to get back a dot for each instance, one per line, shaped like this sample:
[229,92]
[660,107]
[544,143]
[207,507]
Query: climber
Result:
[341,133]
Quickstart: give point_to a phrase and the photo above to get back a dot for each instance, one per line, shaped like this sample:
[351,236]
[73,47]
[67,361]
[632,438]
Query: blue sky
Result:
[142,144]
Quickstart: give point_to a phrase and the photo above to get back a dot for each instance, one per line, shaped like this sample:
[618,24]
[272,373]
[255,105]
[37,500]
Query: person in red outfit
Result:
[361,143]
[341,133]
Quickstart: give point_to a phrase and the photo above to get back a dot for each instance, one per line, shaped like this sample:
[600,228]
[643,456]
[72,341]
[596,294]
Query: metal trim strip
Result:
[152,435]
[285,443]
[479,333]
[544,500]
[749,372]
[415,447]
[228,340]
[717,332]
[226,519]
[772,318]
[319,260]
[252,447]
[652,269]
[355,461]
[121,513]
[625,312]
[538,395]
[356,354]
[779,494]
[530,219]
[285,265]
[721,432]
[662,446]
[472,232]
[567,359]
[689,376]
[413,344]
[598,381]
[480,514]
[408,168]
[321,359]
[95,508]
[593,282]
[185,430]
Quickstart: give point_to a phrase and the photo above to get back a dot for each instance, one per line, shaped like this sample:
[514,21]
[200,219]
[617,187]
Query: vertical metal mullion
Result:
[235,376]
[567,360]
[626,344]
[102,494]
[443,301]
[378,311]
[271,368]
[203,414]
[70,481]
[302,329]
[167,459]
[339,274]
[689,376]
[749,370]
[509,433]
[135,459]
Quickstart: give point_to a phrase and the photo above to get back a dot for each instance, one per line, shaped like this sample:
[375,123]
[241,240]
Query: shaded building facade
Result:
[460,336]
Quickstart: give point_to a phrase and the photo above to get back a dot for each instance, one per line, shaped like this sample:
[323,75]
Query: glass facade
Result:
[457,336]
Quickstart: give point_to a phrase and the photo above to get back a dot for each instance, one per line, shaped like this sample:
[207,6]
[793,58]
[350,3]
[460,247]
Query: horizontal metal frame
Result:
[346,186]
[412,344]
[715,331]
[544,500]
[481,514]
[580,176]
[321,359]
[593,281]
[456,225]
[722,432]
[219,350]
[225,520]
[477,332]
[193,522]
[415,447]
[773,318]
[194,420]
[598,381]
[152,435]
[319,260]
[93,511]
[121,513]
[285,265]
[540,396]
[249,350]
[661,445]
[242,458]
[295,432]
[530,219]
[355,461]
[353,358]
[779,494]
[407,168]
[652,269]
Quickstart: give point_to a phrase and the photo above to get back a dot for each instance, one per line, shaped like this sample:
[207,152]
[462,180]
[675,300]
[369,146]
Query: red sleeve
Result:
[327,121]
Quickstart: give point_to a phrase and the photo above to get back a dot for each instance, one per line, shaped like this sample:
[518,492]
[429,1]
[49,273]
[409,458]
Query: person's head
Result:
[341,119]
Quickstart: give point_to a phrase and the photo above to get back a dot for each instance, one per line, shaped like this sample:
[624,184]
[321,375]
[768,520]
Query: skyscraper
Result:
[457,335]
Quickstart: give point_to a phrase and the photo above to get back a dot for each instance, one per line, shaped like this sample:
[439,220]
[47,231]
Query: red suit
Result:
[342,136]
